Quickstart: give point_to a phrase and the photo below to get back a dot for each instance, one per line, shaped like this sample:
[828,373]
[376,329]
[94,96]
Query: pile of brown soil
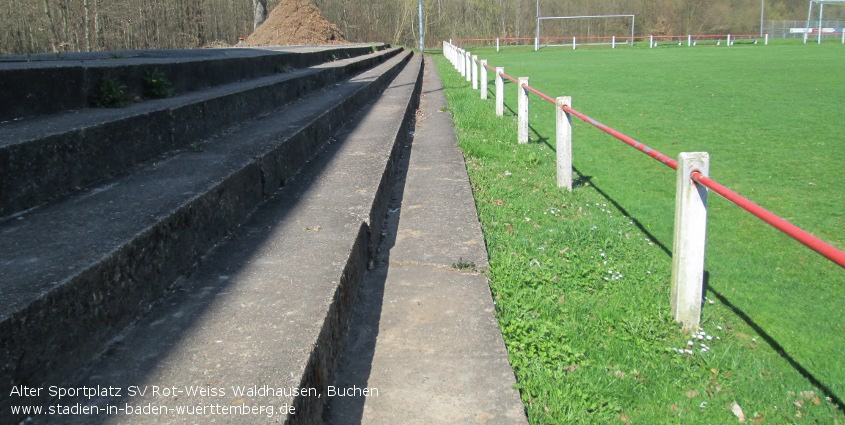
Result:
[295,22]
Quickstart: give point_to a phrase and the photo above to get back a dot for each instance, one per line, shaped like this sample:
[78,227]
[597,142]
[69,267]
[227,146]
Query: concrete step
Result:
[269,307]
[49,157]
[72,78]
[423,333]
[78,271]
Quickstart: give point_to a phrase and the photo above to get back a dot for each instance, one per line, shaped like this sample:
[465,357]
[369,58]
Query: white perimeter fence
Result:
[692,183]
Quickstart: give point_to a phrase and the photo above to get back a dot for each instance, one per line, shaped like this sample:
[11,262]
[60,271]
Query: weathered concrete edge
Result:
[42,170]
[323,360]
[54,335]
[72,87]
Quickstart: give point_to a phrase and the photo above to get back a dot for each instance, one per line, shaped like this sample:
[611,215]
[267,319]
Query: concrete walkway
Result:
[423,338]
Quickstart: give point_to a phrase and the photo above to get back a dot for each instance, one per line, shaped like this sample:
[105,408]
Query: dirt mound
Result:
[295,22]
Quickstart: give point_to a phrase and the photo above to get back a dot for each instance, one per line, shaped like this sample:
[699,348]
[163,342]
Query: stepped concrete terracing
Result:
[72,79]
[325,244]
[268,308]
[48,157]
[78,270]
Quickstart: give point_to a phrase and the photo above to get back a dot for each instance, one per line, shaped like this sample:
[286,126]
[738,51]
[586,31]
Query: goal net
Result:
[585,30]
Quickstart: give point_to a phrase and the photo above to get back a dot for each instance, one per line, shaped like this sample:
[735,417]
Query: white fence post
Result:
[650,41]
[767,40]
[729,41]
[500,92]
[497,44]
[613,42]
[843,37]
[462,63]
[522,103]
[474,62]
[536,44]
[689,40]
[483,87]
[689,244]
[563,144]
[468,62]
[573,43]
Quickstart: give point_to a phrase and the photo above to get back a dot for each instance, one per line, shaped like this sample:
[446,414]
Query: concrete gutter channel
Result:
[72,78]
[49,157]
[78,271]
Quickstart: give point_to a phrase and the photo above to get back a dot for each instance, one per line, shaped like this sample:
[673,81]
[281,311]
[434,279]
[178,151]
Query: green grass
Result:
[581,279]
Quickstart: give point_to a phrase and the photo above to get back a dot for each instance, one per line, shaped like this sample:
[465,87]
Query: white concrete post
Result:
[522,113]
[563,143]
[468,62]
[474,62]
[729,40]
[767,39]
[690,233]
[462,63]
[650,41]
[613,42]
[573,43]
[484,82]
[497,44]
[689,40]
[500,92]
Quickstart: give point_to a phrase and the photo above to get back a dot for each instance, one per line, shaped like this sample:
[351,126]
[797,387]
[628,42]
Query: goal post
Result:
[591,29]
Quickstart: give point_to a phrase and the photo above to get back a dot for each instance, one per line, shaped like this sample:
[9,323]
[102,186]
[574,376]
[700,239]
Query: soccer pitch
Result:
[771,119]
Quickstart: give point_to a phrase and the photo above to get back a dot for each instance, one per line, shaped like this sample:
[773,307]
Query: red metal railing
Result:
[825,249]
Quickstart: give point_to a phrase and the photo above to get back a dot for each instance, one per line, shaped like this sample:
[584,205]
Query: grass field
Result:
[581,279]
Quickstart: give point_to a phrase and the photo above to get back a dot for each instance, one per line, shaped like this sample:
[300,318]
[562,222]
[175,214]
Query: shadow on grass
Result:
[584,180]
[835,399]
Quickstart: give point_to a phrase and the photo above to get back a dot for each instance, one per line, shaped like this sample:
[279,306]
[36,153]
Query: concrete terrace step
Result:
[423,333]
[71,78]
[269,307]
[75,272]
[49,157]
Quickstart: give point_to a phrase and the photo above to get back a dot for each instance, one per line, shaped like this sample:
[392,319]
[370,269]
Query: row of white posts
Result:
[690,200]
[690,42]
[652,43]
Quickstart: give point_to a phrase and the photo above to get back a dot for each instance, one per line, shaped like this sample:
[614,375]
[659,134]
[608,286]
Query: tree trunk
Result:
[260,7]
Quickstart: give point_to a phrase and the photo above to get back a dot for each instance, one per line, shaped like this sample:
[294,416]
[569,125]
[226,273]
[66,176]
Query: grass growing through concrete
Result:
[581,279]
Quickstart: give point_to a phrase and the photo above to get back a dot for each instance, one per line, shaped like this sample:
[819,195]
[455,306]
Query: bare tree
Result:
[260,7]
